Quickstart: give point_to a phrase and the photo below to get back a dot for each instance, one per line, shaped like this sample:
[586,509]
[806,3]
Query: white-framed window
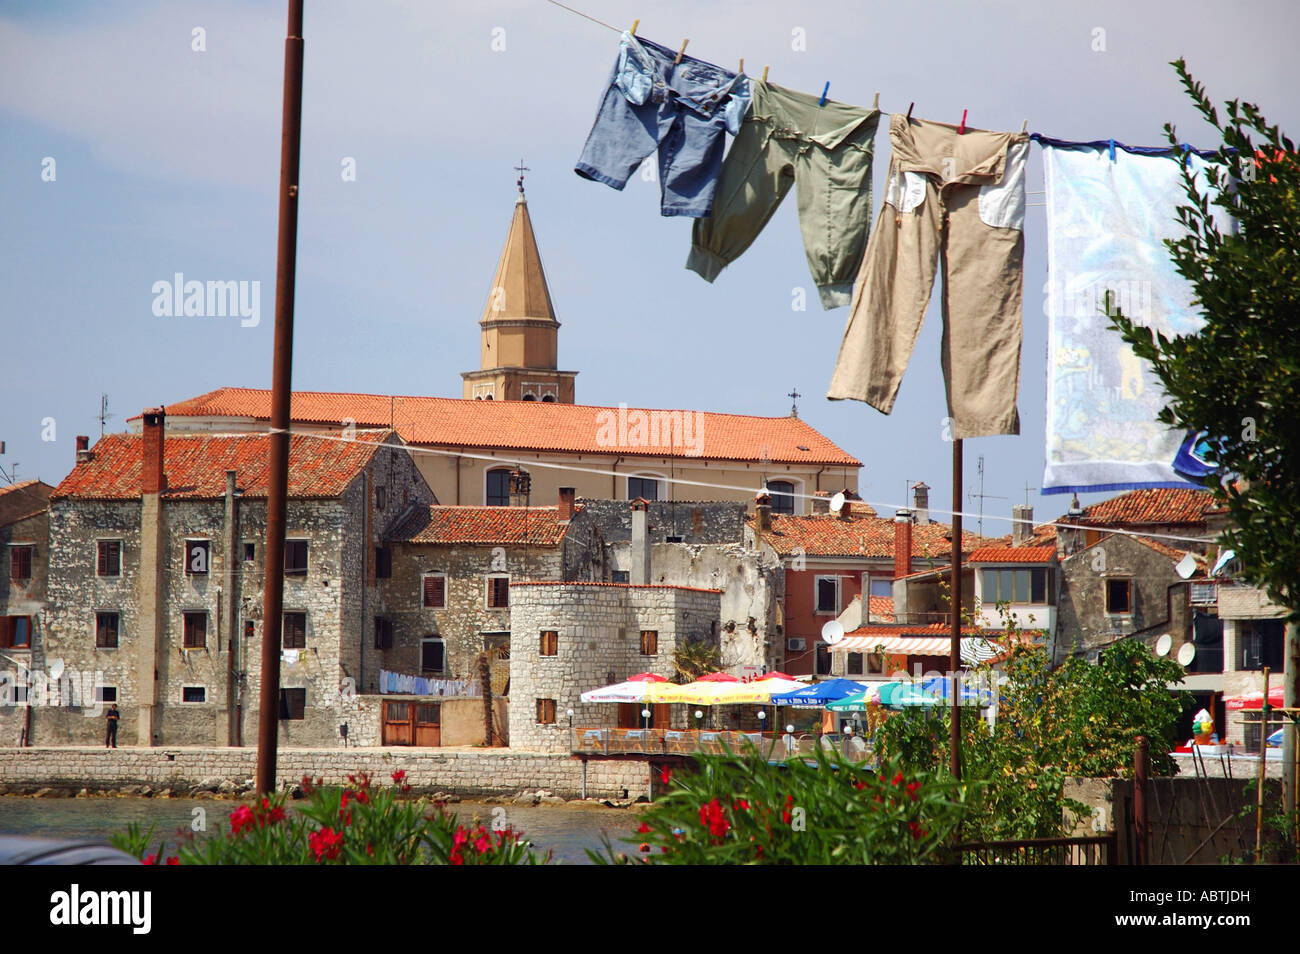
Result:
[784,494]
[198,557]
[647,486]
[1021,584]
[1119,596]
[826,593]
[496,486]
[433,590]
[483,392]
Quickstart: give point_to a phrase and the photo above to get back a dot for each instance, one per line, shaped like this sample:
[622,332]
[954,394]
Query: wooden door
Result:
[428,723]
[397,728]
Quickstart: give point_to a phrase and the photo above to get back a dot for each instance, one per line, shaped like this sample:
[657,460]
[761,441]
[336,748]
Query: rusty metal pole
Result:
[1141,822]
[1263,756]
[954,653]
[268,723]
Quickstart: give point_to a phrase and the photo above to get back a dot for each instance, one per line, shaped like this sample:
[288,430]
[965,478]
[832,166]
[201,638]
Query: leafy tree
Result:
[695,658]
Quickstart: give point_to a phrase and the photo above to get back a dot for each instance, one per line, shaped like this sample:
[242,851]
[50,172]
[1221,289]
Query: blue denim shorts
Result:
[679,111]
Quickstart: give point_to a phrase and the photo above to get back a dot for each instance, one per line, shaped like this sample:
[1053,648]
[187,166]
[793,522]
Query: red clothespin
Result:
[962,128]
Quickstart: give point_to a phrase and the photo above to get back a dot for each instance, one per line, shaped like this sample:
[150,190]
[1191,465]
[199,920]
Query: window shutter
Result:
[103,559]
[434,591]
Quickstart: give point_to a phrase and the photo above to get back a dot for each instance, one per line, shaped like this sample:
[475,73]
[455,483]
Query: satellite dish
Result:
[1224,559]
[832,632]
[1186,653]
[56,668]
[1164,644]
[1186,566]
[837,503]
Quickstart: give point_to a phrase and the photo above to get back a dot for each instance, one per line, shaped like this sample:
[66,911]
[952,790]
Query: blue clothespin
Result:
[1112,150]
[1187,153]
[826,89]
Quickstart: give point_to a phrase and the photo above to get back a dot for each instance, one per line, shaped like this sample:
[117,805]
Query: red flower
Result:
[483,844]
[173,861]
[740,805]
[789,799]
[240,819]
[785,816]
[917,831]
[399,776]
[665,775]
[363,797]
[277,814]
[898,779]
[644,829]
[714,818]
[149,860]
[326,844]
[911,789]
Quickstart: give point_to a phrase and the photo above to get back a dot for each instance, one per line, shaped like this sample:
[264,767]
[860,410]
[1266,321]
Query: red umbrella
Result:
[1255,700]
[645,677]
[718,677]
[774,675]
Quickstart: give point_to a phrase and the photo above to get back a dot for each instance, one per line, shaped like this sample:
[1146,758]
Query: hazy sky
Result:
[166,160]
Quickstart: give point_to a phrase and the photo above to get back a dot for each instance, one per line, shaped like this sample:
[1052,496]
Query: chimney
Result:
[521,486]
[83,449]
[152,478]
[640,545]
[763,513]
[921,503]
[566,504]
[1022,524]
[902,543]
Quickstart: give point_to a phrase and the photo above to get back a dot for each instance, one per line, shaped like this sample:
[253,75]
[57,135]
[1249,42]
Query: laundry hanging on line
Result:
[653,105]
[1110,208]
[959,195]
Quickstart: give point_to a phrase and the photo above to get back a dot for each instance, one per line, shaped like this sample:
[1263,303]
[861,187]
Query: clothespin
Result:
[1024,127]
[681,52]
[876,105]
[1187,153]
[909,111]
[1112,150]
[765,74]
[962,128]
[742,66]
[635,24]
[825,89]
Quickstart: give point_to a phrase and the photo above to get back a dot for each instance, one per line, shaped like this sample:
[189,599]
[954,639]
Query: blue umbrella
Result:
[819,693]
[970,695]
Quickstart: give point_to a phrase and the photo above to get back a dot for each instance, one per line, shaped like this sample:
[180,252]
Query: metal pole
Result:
[954,654]
[1263,753]
[268,724]
[1290,700]
[1141,779]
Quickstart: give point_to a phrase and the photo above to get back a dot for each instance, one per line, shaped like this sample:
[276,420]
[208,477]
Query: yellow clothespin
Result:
[635,24]
[765,74]
[681,52]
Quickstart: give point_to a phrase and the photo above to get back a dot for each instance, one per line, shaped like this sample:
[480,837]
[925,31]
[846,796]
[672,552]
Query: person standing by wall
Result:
[112,717]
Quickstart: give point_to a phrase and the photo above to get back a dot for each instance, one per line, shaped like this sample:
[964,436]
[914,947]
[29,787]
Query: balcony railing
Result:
[648,742]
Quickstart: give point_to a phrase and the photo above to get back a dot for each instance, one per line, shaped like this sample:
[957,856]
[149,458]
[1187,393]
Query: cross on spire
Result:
[521,169]
[794,407]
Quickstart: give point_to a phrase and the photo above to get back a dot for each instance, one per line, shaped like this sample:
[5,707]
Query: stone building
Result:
[567,638]
[156,570]
[24,548]
[1254,637]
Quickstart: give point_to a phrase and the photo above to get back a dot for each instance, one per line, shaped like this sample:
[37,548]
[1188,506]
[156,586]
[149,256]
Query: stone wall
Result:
[693,521]
[599,642]
[499,772]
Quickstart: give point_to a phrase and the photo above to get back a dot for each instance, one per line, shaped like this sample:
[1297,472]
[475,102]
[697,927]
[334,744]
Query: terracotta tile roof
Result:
[881,608]
[536,426]
[1151,506]
[23,499]
[859,536]
[196,466]
[1013,555]
[535,526]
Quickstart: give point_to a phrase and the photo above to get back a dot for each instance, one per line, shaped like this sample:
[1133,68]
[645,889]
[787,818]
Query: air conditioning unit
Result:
[796,645]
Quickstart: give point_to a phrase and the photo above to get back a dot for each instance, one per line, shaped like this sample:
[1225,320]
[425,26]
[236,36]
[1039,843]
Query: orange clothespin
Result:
[681,52]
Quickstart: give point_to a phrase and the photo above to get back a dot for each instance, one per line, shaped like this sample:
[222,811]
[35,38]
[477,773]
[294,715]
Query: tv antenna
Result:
[103,413]
[982,496]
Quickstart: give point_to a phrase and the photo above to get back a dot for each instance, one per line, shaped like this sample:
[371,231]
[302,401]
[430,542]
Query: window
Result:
[383,633]
[1259,644]
[619,576]
[293,635]
[383,563]
[1019,585]
[881,587]
[550,643]
[196,630]
[853,665]
[196,557]
[293,704]
[1119,597]
[20,562]
[295,557]
[498,487]
[194,694]
[15,632]
[110,558]
[498,592]
[649,642]
[823,659]
[106,694]
[249,629]
[106,630]
[546,711]
[250,552]
[433,654]
[434,591]
[782,494]
[828,595]
[1205,594]
[645,487]
[381,497]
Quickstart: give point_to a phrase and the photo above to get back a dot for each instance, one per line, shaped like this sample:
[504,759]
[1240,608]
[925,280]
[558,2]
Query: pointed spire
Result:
[519,287]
